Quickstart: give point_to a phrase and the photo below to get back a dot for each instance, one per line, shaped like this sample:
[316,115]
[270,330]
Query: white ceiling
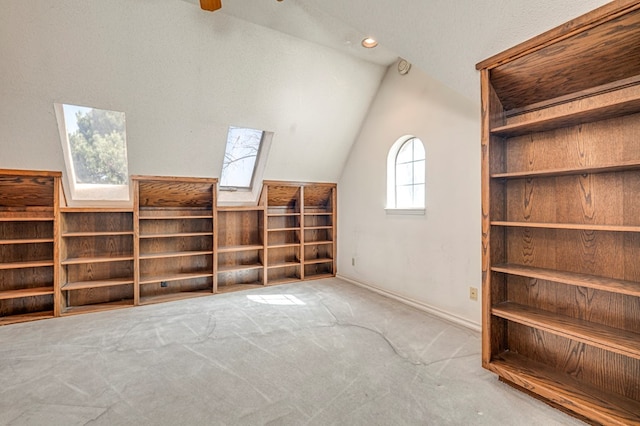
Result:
[445,38]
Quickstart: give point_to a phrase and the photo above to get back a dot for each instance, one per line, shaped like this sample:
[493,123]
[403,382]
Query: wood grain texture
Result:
[572,64]
[561,214]
[579,111]
[605,407]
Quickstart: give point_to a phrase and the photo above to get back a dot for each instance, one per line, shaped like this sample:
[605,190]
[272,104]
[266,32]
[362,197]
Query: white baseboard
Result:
[416,304]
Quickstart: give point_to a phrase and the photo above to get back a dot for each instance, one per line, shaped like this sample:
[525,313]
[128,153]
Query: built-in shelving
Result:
[175,237]
[175,243]
[29,205]
[561,215]
[96,248]
[240,247]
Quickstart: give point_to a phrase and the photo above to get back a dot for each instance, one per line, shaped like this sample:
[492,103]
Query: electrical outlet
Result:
[163,284]
[473,293]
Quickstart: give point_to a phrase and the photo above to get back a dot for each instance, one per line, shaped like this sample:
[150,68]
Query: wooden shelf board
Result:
[283,214]
[178,235]
[175,217]
[286,280]
[248,247]
[233,268]
[318,276]
[174,277]
[277,246]
[598,107]
[575,226]
[315,261]
[319,243]
[318,213]
[169,297]
[95,210]
[78,285]
[282,265]
[98,307]
[619,167]
[22,265]
[283,229]
[26,241]
[612,285]
[318,227]
[95,234]
[608,338]
[101,259]
[26,292]
[240,208]
[26,219]
[174,254]
[238,287]
[562,389]
[34,316]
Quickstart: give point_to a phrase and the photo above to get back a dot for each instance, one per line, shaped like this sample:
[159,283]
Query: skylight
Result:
[94,143]
[240,157]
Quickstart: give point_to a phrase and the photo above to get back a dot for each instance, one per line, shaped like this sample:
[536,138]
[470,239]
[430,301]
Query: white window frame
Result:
[84,191]
[229,196]
[391,179]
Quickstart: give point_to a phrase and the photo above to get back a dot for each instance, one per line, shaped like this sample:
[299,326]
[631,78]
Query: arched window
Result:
[406,175]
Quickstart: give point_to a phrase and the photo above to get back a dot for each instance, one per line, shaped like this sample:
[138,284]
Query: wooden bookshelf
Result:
[174,245]
[29,259]
[561,215]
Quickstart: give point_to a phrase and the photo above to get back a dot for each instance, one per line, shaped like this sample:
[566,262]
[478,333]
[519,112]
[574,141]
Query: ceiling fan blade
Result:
[210,5]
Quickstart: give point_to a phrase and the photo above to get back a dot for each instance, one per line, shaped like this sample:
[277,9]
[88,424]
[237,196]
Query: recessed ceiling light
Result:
[369,43]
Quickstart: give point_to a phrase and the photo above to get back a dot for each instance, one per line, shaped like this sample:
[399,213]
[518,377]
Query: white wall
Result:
[182,76]
[431,259]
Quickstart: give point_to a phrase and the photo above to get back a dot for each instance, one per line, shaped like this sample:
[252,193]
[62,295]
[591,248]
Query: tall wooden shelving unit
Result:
[29,258]
[240,248]
[96,251]
[319,230]
[283,231]
[561,215]
[174,245]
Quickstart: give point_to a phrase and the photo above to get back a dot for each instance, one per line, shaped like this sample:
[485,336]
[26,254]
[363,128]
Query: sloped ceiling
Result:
[444,38]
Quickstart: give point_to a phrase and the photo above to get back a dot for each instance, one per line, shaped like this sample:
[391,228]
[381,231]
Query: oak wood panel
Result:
[26,230]
[580,302]
[287,196]
[98,295]
[86,221]
[173,290]
[572,64]
[283,274]
[631,288]
[578,360]
[37,305]
[606,143]
[175,192]
[240,228]
[591,401]
[26,191]
[583,110]
[318,197]
[616,340]
[231,279]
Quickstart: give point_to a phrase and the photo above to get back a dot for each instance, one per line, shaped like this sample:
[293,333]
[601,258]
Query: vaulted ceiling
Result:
[444,38]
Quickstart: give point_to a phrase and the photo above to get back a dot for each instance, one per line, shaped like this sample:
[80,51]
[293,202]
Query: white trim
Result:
[417,304]
[416,212]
